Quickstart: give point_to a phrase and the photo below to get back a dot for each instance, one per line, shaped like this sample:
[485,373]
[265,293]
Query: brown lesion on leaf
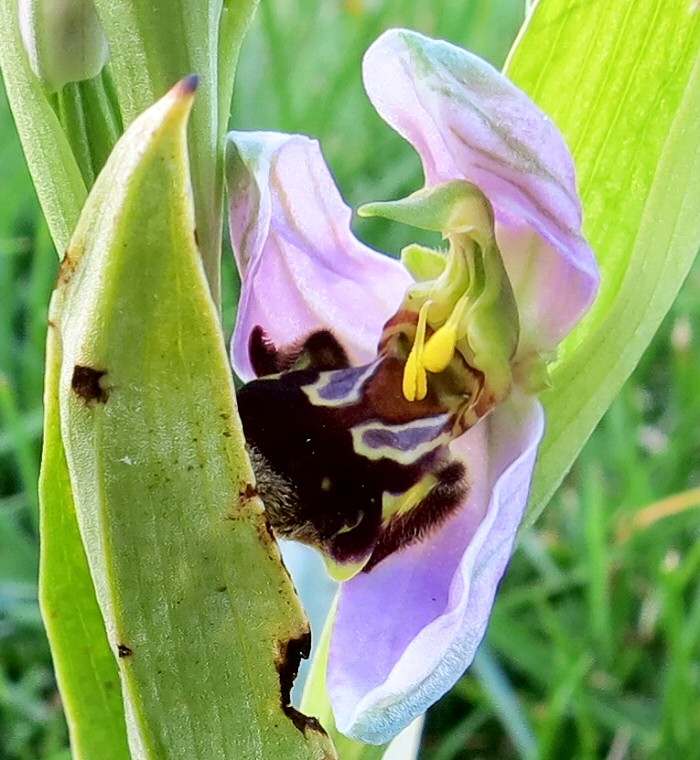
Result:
[248,497]
[87,383]
[289,656]
[68,265]
[267,537]
[124,651]
[246,494]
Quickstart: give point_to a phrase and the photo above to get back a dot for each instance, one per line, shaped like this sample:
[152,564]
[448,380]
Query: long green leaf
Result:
[622,82]
[85,667]
[199,612]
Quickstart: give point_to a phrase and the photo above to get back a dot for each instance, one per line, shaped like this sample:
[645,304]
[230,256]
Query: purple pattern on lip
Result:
[343,385]
[406,437]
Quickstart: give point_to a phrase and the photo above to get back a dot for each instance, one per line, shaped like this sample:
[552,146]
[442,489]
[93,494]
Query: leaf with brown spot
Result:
[87,383]
[66,269]
[184,564]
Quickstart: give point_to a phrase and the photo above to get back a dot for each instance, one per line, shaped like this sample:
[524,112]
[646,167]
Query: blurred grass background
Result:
[593,652]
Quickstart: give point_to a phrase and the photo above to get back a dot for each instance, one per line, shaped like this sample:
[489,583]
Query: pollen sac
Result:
[466,295]
[344,461]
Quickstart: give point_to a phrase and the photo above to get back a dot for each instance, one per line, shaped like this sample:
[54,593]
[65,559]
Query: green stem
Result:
[315,700]
[72,117]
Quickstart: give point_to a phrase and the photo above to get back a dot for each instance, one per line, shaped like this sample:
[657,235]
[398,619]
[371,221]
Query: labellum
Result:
[355,460]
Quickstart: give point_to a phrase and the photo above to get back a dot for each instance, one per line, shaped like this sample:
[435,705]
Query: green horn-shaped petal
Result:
[489,321]
[200,615]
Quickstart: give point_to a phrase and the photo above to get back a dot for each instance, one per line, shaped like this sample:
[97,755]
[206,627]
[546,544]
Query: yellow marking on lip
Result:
[353,525]
[397,504]
[343,571]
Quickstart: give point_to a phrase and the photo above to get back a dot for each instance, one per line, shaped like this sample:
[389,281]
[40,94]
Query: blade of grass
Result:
[504,701]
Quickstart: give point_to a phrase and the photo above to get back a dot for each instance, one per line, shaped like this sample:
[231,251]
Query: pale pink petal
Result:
[406,631]
[468,121]
[301,266]
[543,284]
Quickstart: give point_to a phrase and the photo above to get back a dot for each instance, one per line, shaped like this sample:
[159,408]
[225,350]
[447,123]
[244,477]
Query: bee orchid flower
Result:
[394,422]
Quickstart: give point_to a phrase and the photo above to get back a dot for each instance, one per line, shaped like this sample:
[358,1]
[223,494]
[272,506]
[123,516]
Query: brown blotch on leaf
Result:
[124,651]
[289,657]
[304,722]
[248,492]
[269,535]
[86,383]
[66,270]
[238,509]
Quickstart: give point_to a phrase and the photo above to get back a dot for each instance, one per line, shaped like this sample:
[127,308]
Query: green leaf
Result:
[622,82]
[55,172]
[199,612]
[154,43]
[85,667]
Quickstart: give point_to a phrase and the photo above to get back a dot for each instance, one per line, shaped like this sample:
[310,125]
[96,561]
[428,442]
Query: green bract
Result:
[200,616]
[622,81]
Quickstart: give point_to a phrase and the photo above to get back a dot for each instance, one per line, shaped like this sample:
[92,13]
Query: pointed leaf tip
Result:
[138,308]
[188,85]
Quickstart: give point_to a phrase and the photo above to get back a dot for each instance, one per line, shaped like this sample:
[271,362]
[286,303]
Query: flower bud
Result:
[64,40]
